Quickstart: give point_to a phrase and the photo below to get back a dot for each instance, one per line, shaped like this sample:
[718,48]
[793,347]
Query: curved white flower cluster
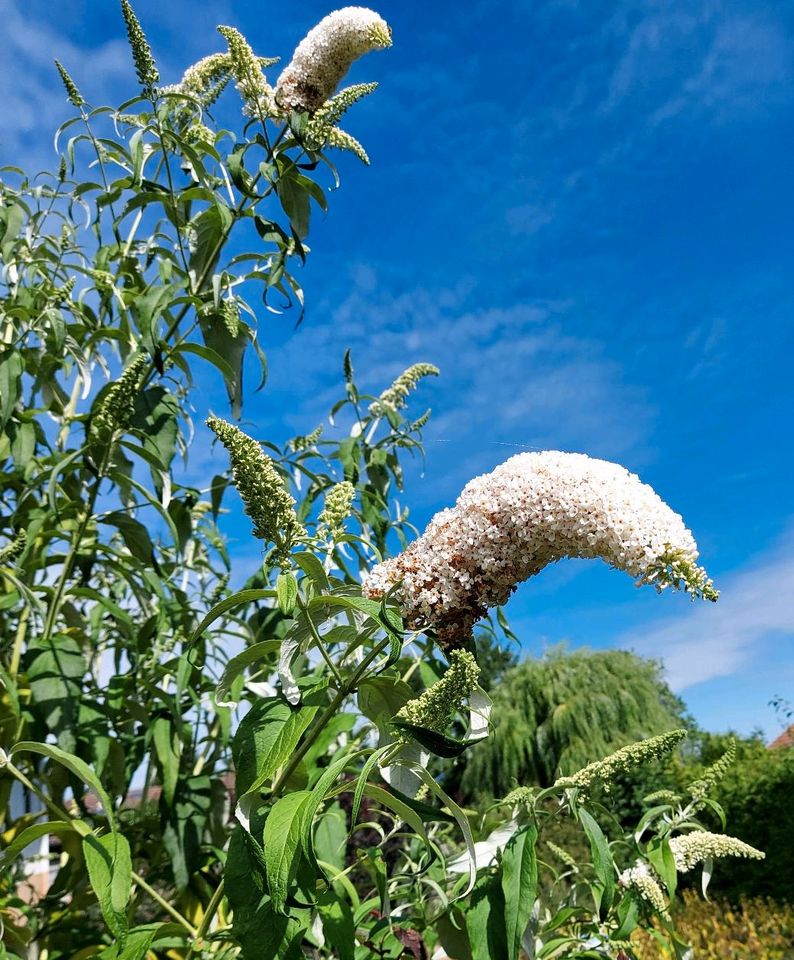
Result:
[642,879]
[532,510]
[690,849]
[325,55]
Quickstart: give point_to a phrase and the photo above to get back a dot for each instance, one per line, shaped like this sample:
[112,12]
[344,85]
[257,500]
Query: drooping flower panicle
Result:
[322,131]
[690,849]
[205,79]
[699,789]
[604,771]
[562,855]
[435,708]
[507,525]
[265,498]
[326,53]
[640,877]
[247,70]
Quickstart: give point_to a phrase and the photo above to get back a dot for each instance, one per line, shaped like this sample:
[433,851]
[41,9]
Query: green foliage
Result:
[754,795]
[558,713]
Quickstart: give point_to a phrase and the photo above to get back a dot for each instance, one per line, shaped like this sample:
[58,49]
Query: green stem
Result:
[344,691]
[71,557]
[171,911]
[318,639]
[206,920]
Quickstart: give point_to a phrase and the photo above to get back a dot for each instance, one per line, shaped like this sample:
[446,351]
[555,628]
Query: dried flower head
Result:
[73,95]
[12,550]
[336,509]
[690,849]
[641,878]
[247,70]
[265,498]
[145,67]
[115,409]
[604,771]
[435,708]
[395,397]
[326,53]
[507,525]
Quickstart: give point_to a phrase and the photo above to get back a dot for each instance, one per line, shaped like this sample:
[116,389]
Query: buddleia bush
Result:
[259,772]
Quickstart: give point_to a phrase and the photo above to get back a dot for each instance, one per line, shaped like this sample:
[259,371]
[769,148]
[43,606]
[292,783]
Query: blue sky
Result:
[582,213]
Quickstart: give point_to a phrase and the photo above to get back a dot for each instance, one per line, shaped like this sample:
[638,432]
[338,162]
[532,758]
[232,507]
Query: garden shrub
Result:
[248,772]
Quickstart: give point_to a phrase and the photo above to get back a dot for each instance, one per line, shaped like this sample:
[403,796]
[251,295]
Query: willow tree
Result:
[557,713]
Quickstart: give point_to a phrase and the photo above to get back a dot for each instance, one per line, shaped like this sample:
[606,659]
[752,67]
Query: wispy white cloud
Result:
[510,376]
[707,642]
[700,59]
[34,102]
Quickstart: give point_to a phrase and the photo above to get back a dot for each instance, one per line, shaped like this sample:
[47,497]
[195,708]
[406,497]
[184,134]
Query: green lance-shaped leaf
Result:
[35,832]
[485,919]
[338,924]
[282,842]
[603,864]
[110,872]
[519,885]
[74,764]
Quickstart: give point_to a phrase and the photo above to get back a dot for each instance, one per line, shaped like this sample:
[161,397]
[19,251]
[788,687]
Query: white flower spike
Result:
[326,53]
[533,510]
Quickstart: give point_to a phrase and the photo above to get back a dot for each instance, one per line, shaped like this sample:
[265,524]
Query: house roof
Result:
[786,739]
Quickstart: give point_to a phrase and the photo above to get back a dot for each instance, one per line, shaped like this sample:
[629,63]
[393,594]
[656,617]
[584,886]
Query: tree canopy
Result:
[557,713]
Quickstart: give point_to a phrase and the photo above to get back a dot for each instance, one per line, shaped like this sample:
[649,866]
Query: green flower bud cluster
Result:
[435,708]
[677,570]
[307,440]
[519,795]
[690,849]
[206,78]
[604,771]
[115,409]
[265,498]
[700,789]
[11,551]
[336,509]
[322,129]
[246,68]
[199,131]
[641,878]
[562,855]
[662,796]
[344,141]
[145,67]
[73,95]
[395,396]
[231,317]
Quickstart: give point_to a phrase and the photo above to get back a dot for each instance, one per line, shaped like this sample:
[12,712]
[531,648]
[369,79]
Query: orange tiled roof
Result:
[786,739]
